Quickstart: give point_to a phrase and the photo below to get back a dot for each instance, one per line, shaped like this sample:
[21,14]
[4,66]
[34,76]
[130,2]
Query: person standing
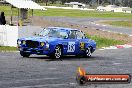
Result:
[2,19]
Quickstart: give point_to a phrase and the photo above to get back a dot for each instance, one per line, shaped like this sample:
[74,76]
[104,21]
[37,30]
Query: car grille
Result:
[32,44]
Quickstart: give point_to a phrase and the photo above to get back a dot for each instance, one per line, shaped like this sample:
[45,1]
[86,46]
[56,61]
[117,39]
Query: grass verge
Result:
[101,42]
[119,23]
[68,13]
[105,42]
[7,48]
[80,13]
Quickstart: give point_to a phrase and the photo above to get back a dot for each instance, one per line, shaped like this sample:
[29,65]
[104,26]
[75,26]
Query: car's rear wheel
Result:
[88,52]
[57,53]
[24,54]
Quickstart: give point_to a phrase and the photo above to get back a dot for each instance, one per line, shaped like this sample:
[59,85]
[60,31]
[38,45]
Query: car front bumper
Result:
[35,51]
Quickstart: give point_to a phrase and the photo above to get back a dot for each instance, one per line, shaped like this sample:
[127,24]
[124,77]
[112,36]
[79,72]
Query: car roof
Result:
[63,28]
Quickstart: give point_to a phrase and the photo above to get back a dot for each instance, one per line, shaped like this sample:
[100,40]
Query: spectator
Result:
[2,19]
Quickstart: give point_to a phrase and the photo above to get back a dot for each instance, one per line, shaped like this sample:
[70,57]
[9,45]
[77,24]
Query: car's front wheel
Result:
[88,52]
[24,54]
[57,53]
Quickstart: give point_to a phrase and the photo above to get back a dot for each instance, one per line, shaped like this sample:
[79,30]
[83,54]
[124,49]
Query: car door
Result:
[82,41]
[72,43]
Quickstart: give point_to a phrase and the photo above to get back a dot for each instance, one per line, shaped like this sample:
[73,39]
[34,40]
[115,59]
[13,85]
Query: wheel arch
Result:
[61,46]
[90,47]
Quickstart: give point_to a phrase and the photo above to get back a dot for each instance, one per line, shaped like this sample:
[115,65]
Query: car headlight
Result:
[23,42]
[19,42]
[42,43]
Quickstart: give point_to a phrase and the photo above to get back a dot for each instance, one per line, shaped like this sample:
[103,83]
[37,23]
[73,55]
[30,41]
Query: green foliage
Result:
[7,48]
[119,23]
[105,42]
[68,13]
[79,13]
[7,10]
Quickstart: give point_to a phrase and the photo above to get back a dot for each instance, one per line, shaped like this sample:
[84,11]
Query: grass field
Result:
[68,13]
[79,13]
[105,42]
[7,48]
[119,23]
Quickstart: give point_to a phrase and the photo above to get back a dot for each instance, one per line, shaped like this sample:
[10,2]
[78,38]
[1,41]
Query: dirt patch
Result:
[38,21]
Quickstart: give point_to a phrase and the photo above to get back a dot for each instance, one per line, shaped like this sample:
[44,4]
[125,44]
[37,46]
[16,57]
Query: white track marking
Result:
[117,47]
[46,85]
[104,25]
[52,68]
[117,63]
[97,24]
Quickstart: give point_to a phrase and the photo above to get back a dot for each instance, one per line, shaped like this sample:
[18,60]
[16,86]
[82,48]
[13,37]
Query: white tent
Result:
[25,4]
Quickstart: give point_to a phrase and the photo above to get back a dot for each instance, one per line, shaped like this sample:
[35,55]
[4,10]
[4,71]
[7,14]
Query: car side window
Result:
[80,35]
[72,35]
[63,34]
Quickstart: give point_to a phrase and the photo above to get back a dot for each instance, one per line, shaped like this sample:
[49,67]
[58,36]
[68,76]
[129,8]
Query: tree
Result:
[117,2]
[38,1]
[46,1]
[112,2]
[125,3]
[53,1]
[129,3]
[63,1]
[88,1]
[104,2]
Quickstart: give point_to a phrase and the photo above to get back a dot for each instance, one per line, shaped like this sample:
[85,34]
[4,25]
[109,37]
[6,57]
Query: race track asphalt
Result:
[43,72]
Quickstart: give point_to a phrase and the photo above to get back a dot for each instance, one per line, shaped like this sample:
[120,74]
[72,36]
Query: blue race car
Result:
[56,42]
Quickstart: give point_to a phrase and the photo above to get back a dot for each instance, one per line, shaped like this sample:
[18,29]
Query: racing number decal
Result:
[71,47]
[82,45]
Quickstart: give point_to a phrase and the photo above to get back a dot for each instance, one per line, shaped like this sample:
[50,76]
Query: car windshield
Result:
[53,32]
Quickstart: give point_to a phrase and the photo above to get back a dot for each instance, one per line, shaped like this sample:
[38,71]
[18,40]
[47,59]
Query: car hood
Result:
[41,39]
